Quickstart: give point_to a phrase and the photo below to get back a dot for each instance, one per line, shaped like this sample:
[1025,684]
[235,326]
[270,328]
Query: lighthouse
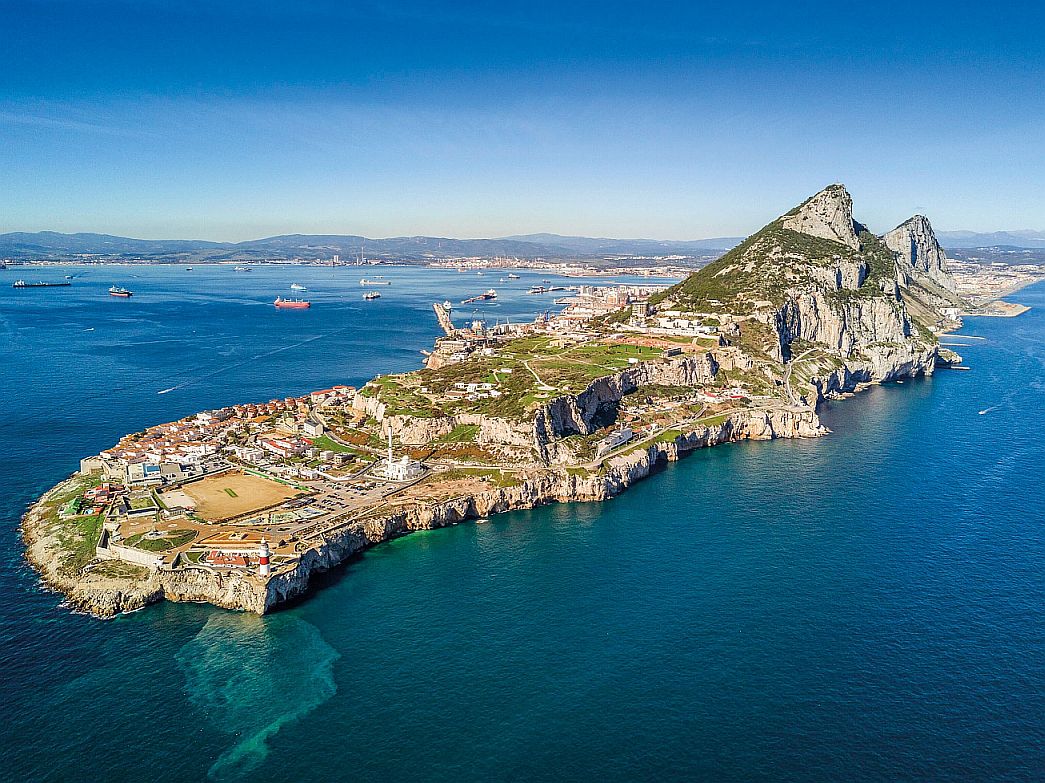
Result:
[263,558]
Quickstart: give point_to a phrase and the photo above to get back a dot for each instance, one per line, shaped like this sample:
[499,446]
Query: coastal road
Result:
[787,375]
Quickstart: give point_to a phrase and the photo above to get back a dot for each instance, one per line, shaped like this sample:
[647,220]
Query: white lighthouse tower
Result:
[263,558]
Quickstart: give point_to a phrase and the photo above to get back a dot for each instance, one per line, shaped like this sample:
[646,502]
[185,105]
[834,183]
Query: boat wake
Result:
[225,368]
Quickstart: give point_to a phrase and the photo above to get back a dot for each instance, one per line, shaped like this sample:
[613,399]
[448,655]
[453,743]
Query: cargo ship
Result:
[491,294]
[371,295]
[291,304]
[121,292]
[41,284]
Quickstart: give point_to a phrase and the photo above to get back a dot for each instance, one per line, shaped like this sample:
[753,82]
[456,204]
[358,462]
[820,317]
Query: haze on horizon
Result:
[232,121]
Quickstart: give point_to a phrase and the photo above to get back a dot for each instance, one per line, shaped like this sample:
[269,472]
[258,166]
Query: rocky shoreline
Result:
[105,594]
[812,301]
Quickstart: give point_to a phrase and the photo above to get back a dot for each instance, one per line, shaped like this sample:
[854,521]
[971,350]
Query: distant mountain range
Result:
[53,245]
[25,246]
[1013,239]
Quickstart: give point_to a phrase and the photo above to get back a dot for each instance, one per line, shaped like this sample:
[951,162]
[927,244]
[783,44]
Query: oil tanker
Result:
[291,304]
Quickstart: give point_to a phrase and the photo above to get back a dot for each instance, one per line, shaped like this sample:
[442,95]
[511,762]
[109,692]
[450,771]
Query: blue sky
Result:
[670,120]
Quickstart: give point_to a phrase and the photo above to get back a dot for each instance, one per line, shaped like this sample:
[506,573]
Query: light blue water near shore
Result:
[865,606]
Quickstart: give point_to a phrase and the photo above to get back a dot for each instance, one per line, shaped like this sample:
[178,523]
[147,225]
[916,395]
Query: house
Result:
[285,447]
[227,560]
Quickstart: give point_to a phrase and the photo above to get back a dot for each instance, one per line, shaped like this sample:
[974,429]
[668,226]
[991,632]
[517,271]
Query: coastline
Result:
[112,587]
[499,419]
[108,594]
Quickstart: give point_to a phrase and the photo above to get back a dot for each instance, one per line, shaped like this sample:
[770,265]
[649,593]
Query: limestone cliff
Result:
[928,290]
[823,283]
[827,215]
[540,487]
[106,596]
[597,405]
[917,250]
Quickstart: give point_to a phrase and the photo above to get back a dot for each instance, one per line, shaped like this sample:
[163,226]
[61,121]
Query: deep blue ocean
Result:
[868,606]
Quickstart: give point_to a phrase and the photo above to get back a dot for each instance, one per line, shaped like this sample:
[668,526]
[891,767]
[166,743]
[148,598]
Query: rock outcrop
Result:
[597,405]
[917,250]
[843,325]
[827,215]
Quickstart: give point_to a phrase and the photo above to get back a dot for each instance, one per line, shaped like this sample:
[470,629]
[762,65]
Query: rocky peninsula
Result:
[241,506]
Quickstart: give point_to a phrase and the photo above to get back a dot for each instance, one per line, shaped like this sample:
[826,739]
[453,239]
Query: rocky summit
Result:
[816,285]
[827,215]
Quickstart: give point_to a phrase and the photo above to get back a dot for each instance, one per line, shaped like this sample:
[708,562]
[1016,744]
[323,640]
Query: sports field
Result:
[232,494]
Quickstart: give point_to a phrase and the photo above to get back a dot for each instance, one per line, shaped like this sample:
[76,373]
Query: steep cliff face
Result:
[917,250]
[538,488]
[841,324]
[597,405]
[877,364]
[827,215]
[820,280]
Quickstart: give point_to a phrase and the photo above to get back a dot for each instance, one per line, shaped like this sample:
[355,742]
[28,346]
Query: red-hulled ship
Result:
[291,304]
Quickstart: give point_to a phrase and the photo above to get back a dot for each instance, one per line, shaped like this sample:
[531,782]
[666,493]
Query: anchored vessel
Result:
[365,282]
[41,284]
[491,294]
[291,304]
[121,292]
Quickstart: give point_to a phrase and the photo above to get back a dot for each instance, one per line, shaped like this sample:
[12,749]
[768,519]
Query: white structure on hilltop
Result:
[403,469]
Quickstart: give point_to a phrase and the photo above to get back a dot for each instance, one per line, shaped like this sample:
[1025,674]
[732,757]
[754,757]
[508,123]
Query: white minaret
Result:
[263,558]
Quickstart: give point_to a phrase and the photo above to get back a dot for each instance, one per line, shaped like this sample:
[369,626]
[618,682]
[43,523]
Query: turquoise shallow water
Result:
[865,606]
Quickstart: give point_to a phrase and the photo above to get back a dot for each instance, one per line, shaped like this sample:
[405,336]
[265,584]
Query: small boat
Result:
[68,277]
[241,269]
[188,269]
[291,304]
[448,305]
[371,295]
[123,293]
[41,284]
[296,287]
[365,282]
[513,276]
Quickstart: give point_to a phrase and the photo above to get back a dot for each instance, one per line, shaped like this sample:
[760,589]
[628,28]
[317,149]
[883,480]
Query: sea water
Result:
[865,606]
